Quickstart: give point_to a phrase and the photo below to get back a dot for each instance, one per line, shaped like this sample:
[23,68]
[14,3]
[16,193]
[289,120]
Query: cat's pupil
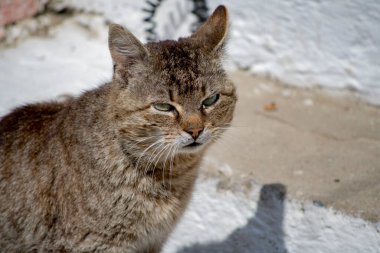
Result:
[210,100]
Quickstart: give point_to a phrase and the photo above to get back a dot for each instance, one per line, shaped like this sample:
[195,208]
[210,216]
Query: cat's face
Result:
[173,96]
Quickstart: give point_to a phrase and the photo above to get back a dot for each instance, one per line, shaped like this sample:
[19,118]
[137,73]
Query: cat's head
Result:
[171,96]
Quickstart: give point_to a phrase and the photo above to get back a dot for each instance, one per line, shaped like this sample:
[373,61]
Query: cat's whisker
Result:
[164,168]
[148,138]
[153,159]
[158,155]
[237,126]
[158,159]
[223,128]
[143,153]
[238,134]
[176,147]
[153,156]
[232,127]
[135,144]
[162,152]
[220,132]
[139,124]
[164,165]
[170,164]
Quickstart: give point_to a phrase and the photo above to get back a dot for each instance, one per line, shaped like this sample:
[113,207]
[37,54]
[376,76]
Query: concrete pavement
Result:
[323,146]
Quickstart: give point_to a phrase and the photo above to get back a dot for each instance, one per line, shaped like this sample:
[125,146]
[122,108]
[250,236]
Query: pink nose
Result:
[195,132]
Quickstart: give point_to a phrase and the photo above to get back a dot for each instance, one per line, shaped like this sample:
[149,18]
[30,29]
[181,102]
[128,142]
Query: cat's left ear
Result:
[125,48]
[213,33]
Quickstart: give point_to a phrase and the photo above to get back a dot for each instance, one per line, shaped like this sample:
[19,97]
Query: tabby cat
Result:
[113,169]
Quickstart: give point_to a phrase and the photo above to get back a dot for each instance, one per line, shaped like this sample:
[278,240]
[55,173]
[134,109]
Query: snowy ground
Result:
[232,217]
[253,218]
[72,59]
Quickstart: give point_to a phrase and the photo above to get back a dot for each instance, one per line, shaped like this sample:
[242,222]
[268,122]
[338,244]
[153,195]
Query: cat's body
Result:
[113,170]
[80,205]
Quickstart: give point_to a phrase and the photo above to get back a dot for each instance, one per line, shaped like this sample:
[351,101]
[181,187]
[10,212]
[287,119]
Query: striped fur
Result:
[106,172]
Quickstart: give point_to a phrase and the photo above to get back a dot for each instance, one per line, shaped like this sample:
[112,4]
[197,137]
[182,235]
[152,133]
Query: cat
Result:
[113,169]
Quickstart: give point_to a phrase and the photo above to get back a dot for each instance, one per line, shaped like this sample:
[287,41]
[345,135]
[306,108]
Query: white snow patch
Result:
[309,43]
[72,59]
[221,221]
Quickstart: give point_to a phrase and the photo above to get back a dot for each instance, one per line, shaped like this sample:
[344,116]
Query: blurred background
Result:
[299,171]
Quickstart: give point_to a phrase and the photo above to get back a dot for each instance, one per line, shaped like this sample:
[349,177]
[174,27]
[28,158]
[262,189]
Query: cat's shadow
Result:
[263,233]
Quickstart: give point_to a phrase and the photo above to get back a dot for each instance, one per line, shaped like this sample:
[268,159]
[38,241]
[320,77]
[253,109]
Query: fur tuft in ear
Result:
[212,34]
[125,48]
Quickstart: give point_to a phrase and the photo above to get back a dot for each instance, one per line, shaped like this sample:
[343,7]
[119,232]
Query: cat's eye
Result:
[210,100]
[163,107]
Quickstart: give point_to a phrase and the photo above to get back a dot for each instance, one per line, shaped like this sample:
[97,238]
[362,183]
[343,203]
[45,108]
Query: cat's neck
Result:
[87,126]
[178,166]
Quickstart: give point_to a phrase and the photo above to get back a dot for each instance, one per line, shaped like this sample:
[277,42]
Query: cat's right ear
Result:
[125,48]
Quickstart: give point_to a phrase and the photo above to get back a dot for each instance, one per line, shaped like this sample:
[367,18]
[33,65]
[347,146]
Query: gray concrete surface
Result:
[323,146]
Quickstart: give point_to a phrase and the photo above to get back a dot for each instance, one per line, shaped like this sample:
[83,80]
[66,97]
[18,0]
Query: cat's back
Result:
[24,134]
[25,124]
[29,119]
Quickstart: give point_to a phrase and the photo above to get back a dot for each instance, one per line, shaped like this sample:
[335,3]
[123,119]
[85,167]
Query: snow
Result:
[262,220]
[309,43]
[72,59]
[222,217]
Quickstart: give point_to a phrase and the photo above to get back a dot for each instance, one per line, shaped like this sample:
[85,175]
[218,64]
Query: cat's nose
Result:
[195,132]
[193,125]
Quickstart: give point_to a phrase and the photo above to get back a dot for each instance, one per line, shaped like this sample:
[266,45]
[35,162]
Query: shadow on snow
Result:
[263,232]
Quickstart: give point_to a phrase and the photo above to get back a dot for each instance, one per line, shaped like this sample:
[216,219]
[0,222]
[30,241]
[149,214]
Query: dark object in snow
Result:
[175,13]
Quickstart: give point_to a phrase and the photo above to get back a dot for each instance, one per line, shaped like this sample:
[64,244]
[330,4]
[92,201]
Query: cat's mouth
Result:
[189,145]
[192,145]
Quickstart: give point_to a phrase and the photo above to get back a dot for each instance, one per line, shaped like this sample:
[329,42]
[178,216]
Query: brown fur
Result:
[106,172]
